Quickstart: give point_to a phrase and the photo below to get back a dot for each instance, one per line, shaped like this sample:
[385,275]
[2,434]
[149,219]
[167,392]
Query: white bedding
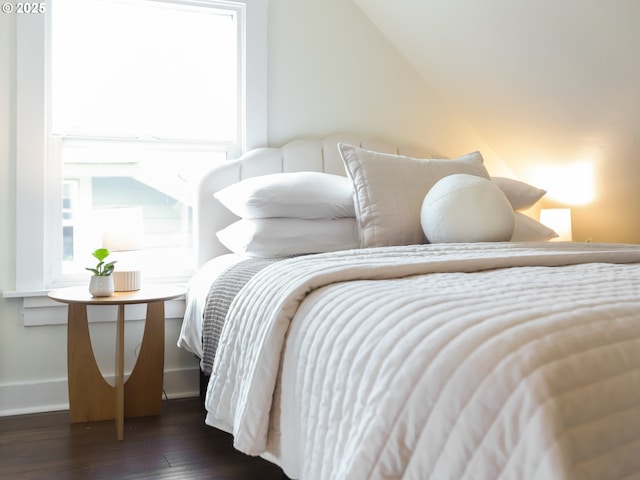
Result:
[399,366]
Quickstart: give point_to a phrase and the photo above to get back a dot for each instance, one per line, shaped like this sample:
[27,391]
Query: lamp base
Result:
[127,281]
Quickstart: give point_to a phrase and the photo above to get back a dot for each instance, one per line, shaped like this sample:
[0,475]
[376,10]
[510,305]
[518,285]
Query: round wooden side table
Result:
[91,397]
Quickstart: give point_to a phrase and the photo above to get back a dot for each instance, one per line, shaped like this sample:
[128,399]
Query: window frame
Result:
[36,173]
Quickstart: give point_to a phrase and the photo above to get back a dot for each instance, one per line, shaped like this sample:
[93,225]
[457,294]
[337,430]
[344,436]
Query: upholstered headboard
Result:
[299,155]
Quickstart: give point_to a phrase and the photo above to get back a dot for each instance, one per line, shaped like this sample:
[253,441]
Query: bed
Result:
[500,356]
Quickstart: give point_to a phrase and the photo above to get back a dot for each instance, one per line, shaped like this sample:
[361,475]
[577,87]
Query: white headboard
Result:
[296,156]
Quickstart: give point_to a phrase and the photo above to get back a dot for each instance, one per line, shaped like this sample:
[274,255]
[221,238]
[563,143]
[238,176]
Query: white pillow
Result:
[268,237]
[466,208]
[527,229]
[308,195]
[389,190]
[520,194]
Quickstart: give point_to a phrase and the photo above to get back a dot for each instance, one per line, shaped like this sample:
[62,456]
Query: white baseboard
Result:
[52,395]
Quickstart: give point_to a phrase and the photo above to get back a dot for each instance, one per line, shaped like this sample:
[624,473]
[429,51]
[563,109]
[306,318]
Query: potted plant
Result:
[101,283]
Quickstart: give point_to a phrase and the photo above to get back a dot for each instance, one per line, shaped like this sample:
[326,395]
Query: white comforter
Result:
[399,366]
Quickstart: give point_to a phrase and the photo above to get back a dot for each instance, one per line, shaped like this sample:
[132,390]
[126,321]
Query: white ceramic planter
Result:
[101,286]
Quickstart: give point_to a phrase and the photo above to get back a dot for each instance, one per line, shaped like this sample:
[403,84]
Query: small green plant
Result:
[102,269]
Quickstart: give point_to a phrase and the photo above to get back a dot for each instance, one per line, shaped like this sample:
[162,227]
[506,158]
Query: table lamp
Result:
[559,219]
[123,234]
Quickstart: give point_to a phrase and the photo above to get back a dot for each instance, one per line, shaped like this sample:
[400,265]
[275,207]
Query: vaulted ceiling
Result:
[550,85]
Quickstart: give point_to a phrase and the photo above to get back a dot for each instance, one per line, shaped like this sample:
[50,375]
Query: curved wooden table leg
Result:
[143,389]
[91,398]
[119,383]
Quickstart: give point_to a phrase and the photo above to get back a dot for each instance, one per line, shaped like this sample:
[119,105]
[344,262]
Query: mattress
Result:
[438,361]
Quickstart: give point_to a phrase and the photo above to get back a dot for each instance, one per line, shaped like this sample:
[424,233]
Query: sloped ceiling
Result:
[549,85]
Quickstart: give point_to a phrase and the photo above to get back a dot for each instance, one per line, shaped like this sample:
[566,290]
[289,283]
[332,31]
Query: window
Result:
[125,103]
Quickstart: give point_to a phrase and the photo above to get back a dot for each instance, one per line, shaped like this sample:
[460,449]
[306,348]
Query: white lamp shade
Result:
[122,229]
[559,219]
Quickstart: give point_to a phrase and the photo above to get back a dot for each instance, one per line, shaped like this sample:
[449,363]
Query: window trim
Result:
[31,165]
[34,173]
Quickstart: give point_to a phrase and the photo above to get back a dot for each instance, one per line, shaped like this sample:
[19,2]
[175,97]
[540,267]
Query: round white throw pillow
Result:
[466,208]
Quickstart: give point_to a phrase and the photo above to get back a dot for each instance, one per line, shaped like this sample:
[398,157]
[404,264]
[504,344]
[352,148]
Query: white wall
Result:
[330,71]
[551,86]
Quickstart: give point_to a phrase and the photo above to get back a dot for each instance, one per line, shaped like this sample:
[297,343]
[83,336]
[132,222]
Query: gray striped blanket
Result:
[222,292]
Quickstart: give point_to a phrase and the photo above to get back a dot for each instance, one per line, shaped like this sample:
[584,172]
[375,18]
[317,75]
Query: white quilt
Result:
[439,362]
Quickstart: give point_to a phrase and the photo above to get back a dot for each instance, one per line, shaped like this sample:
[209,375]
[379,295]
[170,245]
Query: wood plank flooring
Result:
[175,445]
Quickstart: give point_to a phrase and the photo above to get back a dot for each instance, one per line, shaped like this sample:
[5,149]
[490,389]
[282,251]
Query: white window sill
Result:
[40,310]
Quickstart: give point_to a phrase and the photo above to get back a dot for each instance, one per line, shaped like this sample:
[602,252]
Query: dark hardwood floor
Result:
[175,445]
